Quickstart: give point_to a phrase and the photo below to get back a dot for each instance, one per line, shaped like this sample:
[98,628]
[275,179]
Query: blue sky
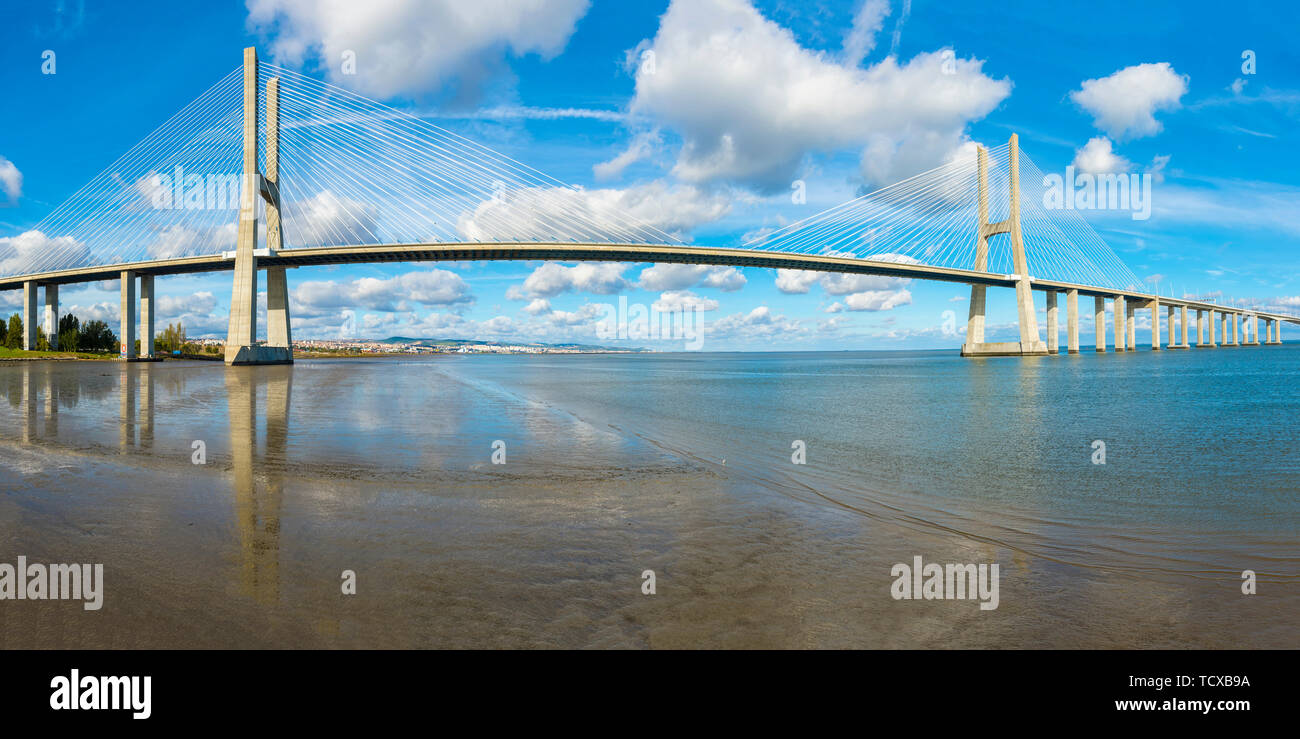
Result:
[745,100]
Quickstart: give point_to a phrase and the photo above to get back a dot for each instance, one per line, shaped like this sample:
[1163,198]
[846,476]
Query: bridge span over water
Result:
[353,181]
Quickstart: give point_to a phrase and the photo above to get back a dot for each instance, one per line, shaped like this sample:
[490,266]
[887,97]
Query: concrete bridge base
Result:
[1004,349]
[259,354]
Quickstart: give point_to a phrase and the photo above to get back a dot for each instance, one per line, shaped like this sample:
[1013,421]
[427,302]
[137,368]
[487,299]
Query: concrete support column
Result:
[1173,339]
[1117,309]
[1236,331]
[1274,331]
[127,337]
[1214,337]
[52,315]
[29,315]
[146,316]
[1183,330]
[1155,324]
[277,309]
[1130,323]
[1053,327]
[1072,321]
[1253,329]
[1200,328]
[1099,317]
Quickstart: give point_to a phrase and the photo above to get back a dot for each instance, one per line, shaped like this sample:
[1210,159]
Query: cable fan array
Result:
[355,172]
[931,219]
[352,172]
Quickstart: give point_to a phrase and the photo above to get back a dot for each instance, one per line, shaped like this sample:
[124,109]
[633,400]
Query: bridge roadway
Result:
[524,250]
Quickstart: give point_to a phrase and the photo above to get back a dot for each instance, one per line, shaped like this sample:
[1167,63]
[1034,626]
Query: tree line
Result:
[91,336]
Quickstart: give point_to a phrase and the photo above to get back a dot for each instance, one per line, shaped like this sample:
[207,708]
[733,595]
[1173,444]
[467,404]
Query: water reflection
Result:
[37,390]
[259,483]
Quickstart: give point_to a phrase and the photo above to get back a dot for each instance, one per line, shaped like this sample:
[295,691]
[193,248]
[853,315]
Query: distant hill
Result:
[460,342]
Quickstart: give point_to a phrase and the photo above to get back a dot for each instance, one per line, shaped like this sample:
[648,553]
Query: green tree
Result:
[95,336]
[14,340]
[69,331]
[42,341]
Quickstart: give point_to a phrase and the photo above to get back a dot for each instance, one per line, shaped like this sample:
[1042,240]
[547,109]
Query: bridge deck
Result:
[524,251]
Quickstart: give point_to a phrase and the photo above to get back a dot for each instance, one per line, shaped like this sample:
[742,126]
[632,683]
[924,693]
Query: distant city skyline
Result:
[713,120]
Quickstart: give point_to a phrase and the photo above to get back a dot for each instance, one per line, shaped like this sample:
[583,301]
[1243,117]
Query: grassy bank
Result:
[23,354]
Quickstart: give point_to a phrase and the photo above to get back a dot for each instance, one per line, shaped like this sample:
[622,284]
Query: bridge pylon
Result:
[1030,341]
[241,339]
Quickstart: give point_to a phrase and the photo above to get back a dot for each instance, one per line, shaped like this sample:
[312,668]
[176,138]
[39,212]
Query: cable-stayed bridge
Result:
[322,176]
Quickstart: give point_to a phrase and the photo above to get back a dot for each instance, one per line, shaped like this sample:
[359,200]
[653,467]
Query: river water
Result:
[1122,497]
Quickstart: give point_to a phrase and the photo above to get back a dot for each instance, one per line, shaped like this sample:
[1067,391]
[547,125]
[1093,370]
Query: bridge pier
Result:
[52,315]
[29,315]
[1182,336]
[241,338]
[1053,327]
[1072,321]
[1213,343]
[1252,330]
[1274,331]
[1155,324]
[127,337]
[146,317]
[1117,310]
[1236,331]
[1099,321]
[1130,324]
[1030,343]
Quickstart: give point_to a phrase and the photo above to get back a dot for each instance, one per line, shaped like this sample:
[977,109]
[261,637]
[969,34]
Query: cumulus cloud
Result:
[538,306]
[552,278]
[675,300]
[328,219]
[11,180]
[1098,157]
[34,251]
[749,102]
[653,211]
[860,292]
[414,48]
[681,276]
[759,323]
[1125,103]
[429,287]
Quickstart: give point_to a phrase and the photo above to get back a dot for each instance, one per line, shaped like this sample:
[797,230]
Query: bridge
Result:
[327,177]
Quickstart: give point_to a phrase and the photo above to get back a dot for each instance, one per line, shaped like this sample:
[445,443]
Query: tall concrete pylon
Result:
[241,339]
[1030,342]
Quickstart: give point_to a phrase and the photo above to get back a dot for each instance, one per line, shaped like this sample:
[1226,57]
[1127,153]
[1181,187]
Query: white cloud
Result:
[642,145]
[413,48]
[749,102]
[599,215]
[861,292]
[538,306]
[551,279]
[759,323]
[327,219]
[33,250]
[11,180]
[877,300]
[1098,157]
[675,300]
[428,287]
[861,38]
[681,276]
[1124,104]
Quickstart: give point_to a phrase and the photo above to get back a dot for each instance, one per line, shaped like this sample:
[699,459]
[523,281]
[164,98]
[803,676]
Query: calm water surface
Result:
[681,464]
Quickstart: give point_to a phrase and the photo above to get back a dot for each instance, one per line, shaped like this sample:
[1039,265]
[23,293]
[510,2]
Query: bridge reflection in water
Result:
[257,469]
